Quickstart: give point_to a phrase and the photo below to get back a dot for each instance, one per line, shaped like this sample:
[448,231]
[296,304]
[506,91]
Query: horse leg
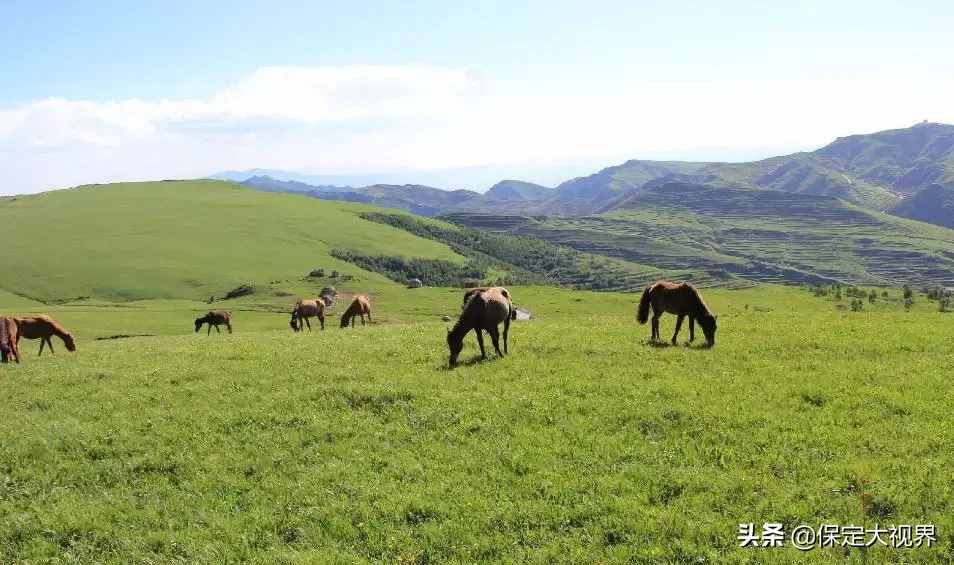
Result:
[307,323]
[506,332]
[480,342]
[321,318]
[210,330]
[679,318]
[42,343]
[362,318]
[655,326]
[229,326]
[217,329]
[495,338]
[692,328]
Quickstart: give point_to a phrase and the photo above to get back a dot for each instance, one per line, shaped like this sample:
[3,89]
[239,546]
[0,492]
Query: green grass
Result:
[182,239]
[584,445]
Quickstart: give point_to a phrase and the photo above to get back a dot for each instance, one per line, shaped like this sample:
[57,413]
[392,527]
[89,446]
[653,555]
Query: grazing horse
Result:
[305,309]
[503,291]
[9,338]
[43,327]
[360,306]
[679,299]
[484,310]
[215,318]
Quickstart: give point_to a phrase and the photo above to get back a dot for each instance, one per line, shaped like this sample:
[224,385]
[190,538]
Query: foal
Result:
[215,318]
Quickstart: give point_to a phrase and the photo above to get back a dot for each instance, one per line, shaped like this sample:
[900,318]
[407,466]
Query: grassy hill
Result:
[934,205]
[766,236]
[182,239]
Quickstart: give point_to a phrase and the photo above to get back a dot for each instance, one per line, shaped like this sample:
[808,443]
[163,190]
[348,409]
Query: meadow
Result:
[586,444]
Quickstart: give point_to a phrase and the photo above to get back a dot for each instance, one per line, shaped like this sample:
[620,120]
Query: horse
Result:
[215,318]
[679,299]
[9,340]
[305,309]
[503,291]
[43,328]
[360,306]
[484,310]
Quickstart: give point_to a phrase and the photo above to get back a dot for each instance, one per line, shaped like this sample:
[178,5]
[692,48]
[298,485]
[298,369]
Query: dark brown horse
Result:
[360,306]
[484,310]
[43,327]
[9,338]
[215,318]
[503,291]
[305,309]
[681,299]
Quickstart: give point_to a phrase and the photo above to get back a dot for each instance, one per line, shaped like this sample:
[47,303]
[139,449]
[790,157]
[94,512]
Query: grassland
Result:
[182,239]
[584,445]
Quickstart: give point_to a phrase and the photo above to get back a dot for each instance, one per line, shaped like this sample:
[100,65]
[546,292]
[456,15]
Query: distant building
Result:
[414,283]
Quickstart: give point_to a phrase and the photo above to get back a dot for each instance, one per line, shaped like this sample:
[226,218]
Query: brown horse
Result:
[215,318]
[503,291]
[305,309]
[679,299]
[360,306]
[43,327]
[484,310]
[9,338]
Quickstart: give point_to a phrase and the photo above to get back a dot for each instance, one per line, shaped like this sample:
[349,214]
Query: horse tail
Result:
[642,314]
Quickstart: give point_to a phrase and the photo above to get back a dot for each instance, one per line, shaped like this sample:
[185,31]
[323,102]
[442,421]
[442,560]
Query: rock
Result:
[445,318]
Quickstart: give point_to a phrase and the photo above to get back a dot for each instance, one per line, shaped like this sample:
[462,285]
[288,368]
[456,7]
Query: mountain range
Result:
[884,171]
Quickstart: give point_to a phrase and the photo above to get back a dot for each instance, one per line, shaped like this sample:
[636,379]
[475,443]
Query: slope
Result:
[181,239]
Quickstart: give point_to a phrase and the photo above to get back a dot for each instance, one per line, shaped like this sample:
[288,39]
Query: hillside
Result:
[182,239]
[759,235]
[934,205]
[874,171]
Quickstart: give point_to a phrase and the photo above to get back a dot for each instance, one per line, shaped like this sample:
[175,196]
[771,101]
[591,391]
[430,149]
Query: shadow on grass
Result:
[665,344]
[476,360]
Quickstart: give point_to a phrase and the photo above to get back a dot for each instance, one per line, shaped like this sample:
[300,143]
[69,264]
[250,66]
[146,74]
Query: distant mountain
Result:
[879,171]
[518,190]
[934,204]
[417,199]
[873,170]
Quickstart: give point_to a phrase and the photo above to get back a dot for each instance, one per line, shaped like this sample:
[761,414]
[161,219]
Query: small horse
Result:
[43,327]
[305,309]
[360,306]
[679,299]
[484,310]
[215,318]
[9,340]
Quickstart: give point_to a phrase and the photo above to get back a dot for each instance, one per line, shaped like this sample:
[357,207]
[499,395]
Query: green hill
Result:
[182,239]
[759,235]
[934,205]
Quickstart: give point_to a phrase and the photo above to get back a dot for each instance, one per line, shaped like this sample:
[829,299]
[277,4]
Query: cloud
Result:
[371,119]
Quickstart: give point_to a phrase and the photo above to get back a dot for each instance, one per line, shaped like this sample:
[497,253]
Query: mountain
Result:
[754,234]
[518,190]
[934,204]
[874,171]
[414,198]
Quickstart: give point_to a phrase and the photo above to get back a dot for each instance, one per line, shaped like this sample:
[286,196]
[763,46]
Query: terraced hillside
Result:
[765,236]
[182,239]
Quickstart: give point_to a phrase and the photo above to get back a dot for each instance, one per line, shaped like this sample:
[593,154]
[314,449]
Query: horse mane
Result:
[465,322]
[700,305]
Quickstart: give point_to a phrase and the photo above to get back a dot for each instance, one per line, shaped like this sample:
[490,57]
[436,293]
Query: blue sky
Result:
[104,91]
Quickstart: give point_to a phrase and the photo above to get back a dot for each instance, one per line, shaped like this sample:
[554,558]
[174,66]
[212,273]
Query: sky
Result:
[94,92]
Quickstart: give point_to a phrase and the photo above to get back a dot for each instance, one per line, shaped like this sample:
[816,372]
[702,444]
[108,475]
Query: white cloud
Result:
[371,119]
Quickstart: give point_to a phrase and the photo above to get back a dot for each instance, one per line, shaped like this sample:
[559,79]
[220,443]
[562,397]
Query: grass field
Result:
[182,239]
[586,444]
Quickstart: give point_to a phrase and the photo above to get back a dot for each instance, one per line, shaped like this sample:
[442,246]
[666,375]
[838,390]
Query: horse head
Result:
[708,324]
[70,343]
[456,345]
[198,324]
